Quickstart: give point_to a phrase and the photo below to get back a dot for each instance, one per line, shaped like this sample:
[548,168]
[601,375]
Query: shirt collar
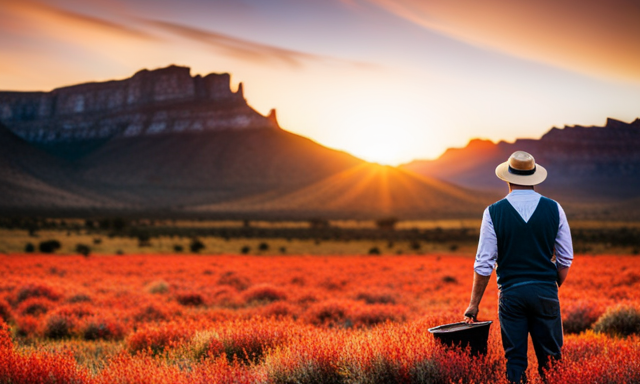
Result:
[523,192]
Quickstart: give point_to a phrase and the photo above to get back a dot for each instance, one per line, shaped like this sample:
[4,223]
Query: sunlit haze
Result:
[387,81]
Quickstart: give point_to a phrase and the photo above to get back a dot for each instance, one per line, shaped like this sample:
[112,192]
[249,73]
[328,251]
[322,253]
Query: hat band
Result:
[522,173]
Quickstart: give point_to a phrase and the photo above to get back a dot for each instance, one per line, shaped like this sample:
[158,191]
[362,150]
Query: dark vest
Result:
[525,249]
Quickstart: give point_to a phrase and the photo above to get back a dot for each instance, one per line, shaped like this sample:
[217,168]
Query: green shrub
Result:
[49,246]
[29,248]
[623,320]
[196,245]
[83,249]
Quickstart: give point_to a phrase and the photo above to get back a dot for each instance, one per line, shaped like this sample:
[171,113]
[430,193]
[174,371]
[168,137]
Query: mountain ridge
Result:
[165,143]
[597,165]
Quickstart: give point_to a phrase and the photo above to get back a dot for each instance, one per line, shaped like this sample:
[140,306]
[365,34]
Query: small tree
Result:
[49,246]
[196,245]
[83,249]
[29,248]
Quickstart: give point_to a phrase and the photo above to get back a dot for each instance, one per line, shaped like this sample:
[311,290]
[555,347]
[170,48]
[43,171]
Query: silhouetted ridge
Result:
[586,164]
[165,143]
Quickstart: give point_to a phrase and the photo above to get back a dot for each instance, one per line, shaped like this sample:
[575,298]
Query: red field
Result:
[294,319]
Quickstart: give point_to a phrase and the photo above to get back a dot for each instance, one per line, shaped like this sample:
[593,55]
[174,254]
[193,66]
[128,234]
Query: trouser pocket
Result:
[549,306]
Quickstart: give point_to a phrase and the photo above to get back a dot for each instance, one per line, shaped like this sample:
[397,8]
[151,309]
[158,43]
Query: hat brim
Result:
[502,171]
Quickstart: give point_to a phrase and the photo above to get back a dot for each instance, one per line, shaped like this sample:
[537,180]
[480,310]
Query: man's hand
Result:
[479,284]
[471,314]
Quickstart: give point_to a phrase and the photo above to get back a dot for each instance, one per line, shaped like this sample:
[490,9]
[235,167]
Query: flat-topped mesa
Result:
[151,102]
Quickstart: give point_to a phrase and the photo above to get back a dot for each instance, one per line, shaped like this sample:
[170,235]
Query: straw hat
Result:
[521,169]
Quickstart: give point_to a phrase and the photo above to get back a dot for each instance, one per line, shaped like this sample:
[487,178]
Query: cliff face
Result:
[149,103]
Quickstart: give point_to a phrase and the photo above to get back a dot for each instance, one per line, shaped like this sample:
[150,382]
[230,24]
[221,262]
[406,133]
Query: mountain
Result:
[165,143]
[362,192]
[593,167]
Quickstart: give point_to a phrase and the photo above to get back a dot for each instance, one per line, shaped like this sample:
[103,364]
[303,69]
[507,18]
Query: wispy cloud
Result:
[244,49]
[596,37]
[37,12]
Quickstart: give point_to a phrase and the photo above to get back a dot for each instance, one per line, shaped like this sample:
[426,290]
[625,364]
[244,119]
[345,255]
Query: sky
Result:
[386,80]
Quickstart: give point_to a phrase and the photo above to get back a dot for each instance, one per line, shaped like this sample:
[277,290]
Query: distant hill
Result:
[164,143]
[594,168]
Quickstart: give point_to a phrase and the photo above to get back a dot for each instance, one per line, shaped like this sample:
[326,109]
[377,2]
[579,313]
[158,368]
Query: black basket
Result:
[462,334]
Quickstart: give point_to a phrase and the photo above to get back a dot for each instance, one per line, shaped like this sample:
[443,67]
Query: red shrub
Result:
[592,358]
[59,326]
[231,278]
[158,338]
[27,326]
[153,313]
[35,306]
[264,293]
[190,299]
[225,296]
[5,311]
[332,313]
[580,316]
[36,290]
[40,367]
[249,340]
[376,297]
[102,328]
[375,314]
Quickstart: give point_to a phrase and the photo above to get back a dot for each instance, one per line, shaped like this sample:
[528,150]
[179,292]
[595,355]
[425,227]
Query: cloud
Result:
[596,37]
[38,12]
[240,48]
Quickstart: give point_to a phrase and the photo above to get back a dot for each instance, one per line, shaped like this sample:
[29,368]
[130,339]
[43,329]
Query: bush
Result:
[374,251]
[580,316]
[377,313]
[152,313]
[83,249]
[29,248]
[178,248]
[263,247]
[157,287]
[231,278]
[619,321]
[196,246]
[49,246]
[264,293]
[190,299]
[58,326]
[35,306]
[97,328]
[79,298]
[36,290]
[5,311]
[376,297]
[330,313]
[246,249]
[157,339]
[449,279]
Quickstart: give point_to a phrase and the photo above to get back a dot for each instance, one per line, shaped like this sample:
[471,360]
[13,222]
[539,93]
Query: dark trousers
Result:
[530,309]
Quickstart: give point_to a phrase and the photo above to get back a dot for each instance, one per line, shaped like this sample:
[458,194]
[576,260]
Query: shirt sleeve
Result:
[564,245]
[487,247]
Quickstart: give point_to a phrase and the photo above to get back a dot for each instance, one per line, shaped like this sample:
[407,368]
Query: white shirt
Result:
[525,202]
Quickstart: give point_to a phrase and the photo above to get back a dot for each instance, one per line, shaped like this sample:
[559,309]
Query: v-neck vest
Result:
[525,249]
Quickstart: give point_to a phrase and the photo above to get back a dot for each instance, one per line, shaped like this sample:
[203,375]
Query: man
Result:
[528,236]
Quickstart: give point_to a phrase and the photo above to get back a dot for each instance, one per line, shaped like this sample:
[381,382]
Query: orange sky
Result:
[388,81]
